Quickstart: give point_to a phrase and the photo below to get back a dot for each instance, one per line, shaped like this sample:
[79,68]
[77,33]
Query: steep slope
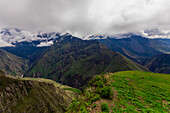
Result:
[125,92]
[159,63]
[138,48]
[74,62]
[31,96]
[11,64]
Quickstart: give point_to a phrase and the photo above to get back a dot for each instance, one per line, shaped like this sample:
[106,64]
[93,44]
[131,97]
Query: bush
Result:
[83,109]
[74,105]
[94,80]
[105,107]
[106,92]
[94,105]
[97,97]
[99,84]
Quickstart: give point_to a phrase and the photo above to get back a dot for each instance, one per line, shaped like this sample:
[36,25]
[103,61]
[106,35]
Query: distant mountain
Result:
[29,44]
[74,62]
[159,63]
[12,64]
[26,50]
[137,48]
[31,96]
[15,37]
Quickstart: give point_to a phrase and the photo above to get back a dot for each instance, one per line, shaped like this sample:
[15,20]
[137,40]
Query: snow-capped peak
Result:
[8,37]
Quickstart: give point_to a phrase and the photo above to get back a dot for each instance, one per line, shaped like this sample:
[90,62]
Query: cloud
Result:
[86,16]
[42,44]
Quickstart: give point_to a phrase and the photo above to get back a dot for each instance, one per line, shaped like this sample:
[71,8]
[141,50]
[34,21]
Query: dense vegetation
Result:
[74,62]
[159,63]
[127,91]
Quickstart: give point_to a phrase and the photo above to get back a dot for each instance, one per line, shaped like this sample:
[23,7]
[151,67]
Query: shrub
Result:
[74,105]
[106,92]
[105,107]
[83,109]
[94,105]
[99,84]
[97,97]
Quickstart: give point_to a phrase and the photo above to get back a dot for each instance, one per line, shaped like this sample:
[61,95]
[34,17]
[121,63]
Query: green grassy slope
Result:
[33,95]
[124,92]
[74,62]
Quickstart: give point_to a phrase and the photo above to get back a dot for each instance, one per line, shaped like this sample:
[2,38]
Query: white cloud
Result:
[86,16]
[42,44]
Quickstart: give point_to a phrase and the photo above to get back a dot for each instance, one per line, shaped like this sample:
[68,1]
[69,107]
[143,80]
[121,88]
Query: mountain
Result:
[25,44]
[31,96]
[29,44]
[26,50]
[12,64]
[158,64]
[74,62]
[125,92]
[137,48]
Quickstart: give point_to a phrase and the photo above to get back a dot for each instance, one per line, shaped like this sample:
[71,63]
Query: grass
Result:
[129,91]
[143,91]
[73,90]
[47,81]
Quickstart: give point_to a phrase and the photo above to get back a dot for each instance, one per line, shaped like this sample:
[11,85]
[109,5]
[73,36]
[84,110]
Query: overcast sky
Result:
[86,16]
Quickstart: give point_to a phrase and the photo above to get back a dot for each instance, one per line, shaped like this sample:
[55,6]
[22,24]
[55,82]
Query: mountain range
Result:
[74,62]
[138,48]
[56,72]
[30,46]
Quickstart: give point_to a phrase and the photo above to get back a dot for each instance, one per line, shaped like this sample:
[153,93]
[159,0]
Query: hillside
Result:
[12,64]
[124,92]
[138,48]
[74,62]
[158,64]
[33,96]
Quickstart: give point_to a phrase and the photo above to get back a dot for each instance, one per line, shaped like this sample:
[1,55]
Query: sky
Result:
[105,17]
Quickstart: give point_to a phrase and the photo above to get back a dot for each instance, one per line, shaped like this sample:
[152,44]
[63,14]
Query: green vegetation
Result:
[98,89]
[94,105]
[127,91]
[104,107]
[73,90]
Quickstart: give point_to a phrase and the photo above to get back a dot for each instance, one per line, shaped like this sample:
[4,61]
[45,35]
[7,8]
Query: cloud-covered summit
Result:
[86,16]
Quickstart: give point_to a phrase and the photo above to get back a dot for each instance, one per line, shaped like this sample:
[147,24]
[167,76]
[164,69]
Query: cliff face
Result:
[26,96]
[12,64]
